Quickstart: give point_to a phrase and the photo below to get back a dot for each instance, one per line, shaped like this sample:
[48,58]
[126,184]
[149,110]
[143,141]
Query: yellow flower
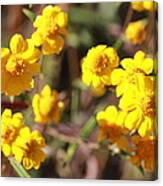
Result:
[28,148]
[111,124]
[149,5]
[138,6]
[98,65]
[136,32]
[50,27]
[133,68]
[19,65]
[139,102]
[47,106]
[144,5]
[10,127]
[145,152]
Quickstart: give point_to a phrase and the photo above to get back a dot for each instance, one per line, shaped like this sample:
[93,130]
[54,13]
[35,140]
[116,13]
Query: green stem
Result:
[70,152]
[88,128]
[19,168]
[118,44]
[74,103]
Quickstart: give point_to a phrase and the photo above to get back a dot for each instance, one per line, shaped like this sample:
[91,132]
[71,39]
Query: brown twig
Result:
[70,139]
[128,18]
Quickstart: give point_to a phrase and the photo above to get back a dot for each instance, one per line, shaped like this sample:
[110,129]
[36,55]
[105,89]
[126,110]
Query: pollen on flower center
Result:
[101,64]
[30,147]
[148,106]
[15,65]
[9,135]
[131,78]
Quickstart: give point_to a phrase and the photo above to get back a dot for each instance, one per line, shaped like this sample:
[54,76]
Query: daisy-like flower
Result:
[144,6]
[10,127]
[139,102]
[136,32]
[28,148]
[127,77]
[47,106]
[111,125]
[98,65]
[50,29]
[19,65]
[144,152]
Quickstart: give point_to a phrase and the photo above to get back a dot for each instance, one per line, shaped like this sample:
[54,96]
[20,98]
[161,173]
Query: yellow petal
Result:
[18,153]
[128,101]
[7,113]
[120,89]
[121,118]
[25,132]
[31,54]
[112,114]
[117,76]
[38,21]
[133,119]
[139,56]
[62,19]
[5,52]
[145,127]
[147,65]
[6,149]
[127,63]
[53,45]
[37,38]
[17,44]
[46,91]
[27,163]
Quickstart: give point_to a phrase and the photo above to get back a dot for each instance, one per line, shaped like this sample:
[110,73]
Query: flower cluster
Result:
[20,63]
[19,142]
[135,87]
[128,125]
[144,6]
[20,60]
[50,27]
[136,32]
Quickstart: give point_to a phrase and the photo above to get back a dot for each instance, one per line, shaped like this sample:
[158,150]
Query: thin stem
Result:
[19,168]
[118,44]
[74,103]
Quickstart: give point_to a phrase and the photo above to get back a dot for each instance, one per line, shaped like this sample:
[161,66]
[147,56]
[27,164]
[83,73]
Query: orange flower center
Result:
[31,147]
[148,105]
[101,64]
[9,135]
[15,65]
[112,131]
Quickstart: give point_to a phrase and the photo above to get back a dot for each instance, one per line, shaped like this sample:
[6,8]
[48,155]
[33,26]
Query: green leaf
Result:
[19,168]
[31,16]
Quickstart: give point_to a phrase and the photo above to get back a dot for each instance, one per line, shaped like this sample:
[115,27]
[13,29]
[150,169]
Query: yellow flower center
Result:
[132,75]
[131,78]
[101,64]
[15,65]
[50,27]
